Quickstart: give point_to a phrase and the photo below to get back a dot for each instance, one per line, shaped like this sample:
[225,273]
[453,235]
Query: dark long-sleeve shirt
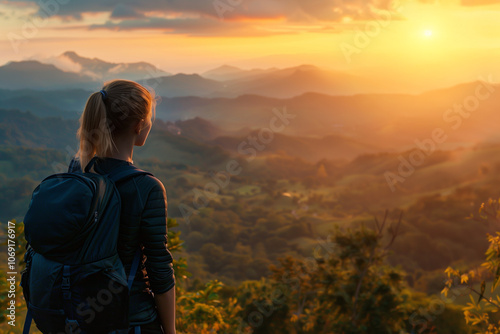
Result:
[143,224]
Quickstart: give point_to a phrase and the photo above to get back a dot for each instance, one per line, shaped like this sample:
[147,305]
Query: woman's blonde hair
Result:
[111,112]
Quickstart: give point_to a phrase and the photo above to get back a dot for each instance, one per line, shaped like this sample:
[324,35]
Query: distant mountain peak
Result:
[70,54]
[36,75]
[25,65]
[79,59]
[101,69]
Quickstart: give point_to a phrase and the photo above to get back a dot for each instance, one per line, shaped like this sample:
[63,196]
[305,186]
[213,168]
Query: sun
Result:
[428,33]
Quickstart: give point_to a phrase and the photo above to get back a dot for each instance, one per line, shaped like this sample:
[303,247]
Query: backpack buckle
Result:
[65,284]
[65,287]
[72,326]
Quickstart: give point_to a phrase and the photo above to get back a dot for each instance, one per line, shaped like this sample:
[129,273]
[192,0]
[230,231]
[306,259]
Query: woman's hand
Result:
[165,304]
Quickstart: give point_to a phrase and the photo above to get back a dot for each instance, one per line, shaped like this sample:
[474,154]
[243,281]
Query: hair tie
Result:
[104,95]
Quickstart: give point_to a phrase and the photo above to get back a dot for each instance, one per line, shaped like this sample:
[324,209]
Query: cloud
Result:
[336,10]
[62,62]
[122,11]
[330,10]
[189,26]
[214,17]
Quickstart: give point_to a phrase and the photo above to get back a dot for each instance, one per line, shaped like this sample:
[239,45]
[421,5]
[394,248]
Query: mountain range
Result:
[196,141]
[390,122]
[226,106]
[70,70]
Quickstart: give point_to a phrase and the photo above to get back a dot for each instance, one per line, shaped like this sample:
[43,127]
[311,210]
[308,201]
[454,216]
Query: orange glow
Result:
[430,45]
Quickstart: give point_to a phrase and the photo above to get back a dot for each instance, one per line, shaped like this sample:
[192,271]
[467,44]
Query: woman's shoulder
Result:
[150,182]
[146,181]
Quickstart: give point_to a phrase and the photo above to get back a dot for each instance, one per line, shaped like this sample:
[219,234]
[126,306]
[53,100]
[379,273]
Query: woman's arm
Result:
[158,258]
[165,303]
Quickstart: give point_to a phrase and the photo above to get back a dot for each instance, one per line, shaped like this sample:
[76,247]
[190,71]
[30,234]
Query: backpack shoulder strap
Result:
[27,321]
[125,172]
[119,174]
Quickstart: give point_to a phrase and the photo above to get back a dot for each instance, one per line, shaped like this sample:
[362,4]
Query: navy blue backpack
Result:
[74,281]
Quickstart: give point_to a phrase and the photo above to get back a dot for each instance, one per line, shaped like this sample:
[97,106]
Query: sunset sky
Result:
[427,43]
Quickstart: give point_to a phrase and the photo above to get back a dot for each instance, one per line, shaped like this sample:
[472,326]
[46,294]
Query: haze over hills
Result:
[228,72]
[332,147]
[65,103]
[388,122]
[104,70]
[35,75]
[289,82]
[181,140]
[225,113]
[184,85]
[71,70]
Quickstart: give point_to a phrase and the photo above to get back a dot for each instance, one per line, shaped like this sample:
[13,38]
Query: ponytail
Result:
[94,132]
[108,112]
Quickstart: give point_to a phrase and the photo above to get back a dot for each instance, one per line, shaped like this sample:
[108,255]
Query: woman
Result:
[115,120]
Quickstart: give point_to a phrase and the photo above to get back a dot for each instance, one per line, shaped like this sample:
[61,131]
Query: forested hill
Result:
[279,204]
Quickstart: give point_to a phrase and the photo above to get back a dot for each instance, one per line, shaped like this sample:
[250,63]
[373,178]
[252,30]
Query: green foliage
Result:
[433,222]
[175,245]
[14,232]
[202,311]
[251,225]
[482,310]
[25,129]
[345,289]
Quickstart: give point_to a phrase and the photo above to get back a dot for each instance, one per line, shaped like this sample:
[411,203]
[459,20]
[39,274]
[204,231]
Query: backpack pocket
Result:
[48,320]
[101,302]
[42,292]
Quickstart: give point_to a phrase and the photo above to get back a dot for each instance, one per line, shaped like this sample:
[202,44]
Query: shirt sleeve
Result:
[153,232]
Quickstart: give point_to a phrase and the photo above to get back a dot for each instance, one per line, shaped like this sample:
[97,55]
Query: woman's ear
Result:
[138,127]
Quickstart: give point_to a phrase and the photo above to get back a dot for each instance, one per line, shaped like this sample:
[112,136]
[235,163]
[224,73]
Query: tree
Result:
[202,312]
[344,288]
[481,314]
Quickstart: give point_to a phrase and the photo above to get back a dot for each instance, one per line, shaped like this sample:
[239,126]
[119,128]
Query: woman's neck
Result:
[121,155]
[124,148]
